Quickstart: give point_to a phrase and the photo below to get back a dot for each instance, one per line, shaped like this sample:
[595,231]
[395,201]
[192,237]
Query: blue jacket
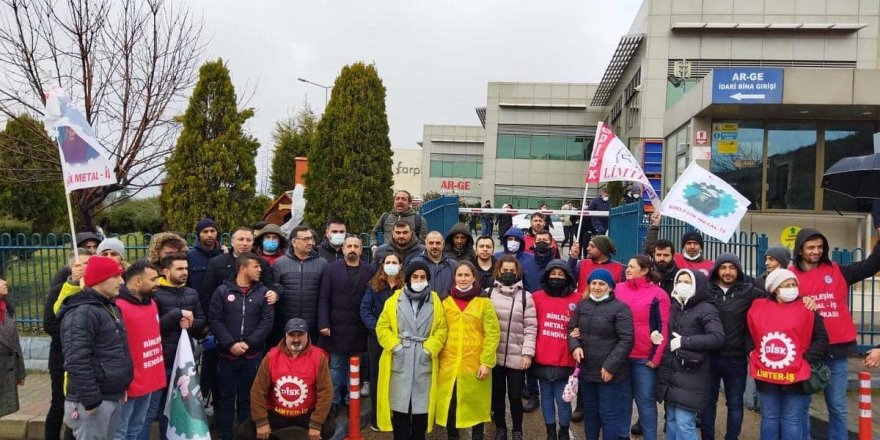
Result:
[600,224]
[198,257]
[372,304]
[533,270]
[521,254]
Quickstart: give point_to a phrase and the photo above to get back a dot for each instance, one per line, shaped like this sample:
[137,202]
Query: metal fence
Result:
[864,300]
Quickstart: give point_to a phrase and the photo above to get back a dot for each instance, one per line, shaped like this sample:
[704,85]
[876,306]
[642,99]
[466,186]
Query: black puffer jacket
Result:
[606,337]
[328,252]
[96,356]
[299,283]
[222,268]
[240,318]
[171,302]
[679,381]
[732,306]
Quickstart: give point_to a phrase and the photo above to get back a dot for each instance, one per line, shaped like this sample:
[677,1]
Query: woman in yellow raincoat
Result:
[411,330]
[466,361]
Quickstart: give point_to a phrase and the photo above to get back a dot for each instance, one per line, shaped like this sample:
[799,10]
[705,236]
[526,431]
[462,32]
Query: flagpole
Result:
[583,207]
[72,227]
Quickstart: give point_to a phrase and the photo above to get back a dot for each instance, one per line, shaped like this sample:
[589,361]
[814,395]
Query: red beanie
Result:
[101,269]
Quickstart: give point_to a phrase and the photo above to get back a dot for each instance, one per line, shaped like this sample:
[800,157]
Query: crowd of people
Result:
[454,332]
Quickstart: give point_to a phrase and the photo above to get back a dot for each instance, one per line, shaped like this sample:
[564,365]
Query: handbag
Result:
[820,375]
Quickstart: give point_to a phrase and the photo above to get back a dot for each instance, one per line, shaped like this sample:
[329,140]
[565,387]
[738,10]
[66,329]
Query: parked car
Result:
[523,221]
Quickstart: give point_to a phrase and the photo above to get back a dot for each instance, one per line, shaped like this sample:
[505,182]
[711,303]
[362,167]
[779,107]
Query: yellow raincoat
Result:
[388,337]
[472,341]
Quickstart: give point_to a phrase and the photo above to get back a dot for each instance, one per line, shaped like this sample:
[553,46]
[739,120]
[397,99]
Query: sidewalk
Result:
[27,423]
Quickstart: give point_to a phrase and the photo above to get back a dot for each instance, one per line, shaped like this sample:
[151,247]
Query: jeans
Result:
[507,386]
[835,397]
[680,423]
[601,409]
[487,228]
[339,375]
[732,370]
[784,415]
[132,418]
[234,378]
[99,425]
[551,392]
[156,401]
[641,389]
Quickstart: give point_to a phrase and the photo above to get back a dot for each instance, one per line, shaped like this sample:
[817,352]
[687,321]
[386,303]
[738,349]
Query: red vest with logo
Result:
[782,335]
[587,266]
[553,316]
[294,381]
[704,266]
[145,345]
[828,287]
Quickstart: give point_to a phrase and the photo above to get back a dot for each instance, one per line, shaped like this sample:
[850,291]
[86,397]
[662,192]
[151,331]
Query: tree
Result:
[26,154]
[211,172]
[293,137]
[350,167]
[123,62]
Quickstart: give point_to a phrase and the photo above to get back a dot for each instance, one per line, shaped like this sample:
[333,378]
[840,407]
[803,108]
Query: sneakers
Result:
[374,427]
[501,434]
[517,435]
[365,389]
[531,404]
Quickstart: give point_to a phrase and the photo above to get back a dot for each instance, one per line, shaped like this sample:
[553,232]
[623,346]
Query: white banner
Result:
[613,162]
[82,163]
[707,202]
[184,407]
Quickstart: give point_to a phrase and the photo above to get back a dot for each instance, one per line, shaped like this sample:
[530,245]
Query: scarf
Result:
[416,296]
[464,295]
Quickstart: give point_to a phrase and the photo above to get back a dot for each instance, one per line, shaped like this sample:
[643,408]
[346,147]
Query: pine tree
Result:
[21,197]
[293,138]
[350,167]
[211,172]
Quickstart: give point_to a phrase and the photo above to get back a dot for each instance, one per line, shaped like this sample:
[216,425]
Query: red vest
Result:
[828,287]
[587,266]
[782,335]
[704,266]
[553,316]
[145,344]
[294,381]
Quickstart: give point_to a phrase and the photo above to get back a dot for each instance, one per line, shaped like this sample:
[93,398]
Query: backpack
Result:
[419,220]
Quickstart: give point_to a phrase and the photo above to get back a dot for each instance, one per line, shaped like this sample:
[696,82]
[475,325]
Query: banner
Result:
[184,407]
[82,164]
[705,201]
[613,162]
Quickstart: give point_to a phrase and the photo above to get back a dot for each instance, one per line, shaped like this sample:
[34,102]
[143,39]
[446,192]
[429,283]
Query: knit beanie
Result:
[780,254]
[205,223]
[603,275]
[604,244]
[774,279]
[112,244]
[101,269]
[414,266]
[692,236]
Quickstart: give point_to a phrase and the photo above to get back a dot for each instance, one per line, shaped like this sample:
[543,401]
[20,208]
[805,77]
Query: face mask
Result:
[684,291]
[270,245]
[337,239]
[557,284]
[688,257]
[542,247]
[391,269]
[605,198]
[788,294]
[601,298]
[464,288]
[513,246]
[418,287]
[507,278]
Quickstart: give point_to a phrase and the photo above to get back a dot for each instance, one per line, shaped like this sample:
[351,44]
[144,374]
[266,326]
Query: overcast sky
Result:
[434,57]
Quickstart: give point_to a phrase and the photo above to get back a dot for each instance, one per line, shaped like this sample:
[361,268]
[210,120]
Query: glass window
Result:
[557,147]
[505,146]
[540,147]
[574,148]
[523,147]
[737,156]
[480,173]
[846,139]
[447,169]
[436,168]
[791,165]
[464,169]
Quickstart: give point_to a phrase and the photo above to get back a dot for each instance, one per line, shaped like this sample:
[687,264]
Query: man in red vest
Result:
[828,283]
[292,388]
[599,252]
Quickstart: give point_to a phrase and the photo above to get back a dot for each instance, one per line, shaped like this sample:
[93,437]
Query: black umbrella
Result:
[857,177]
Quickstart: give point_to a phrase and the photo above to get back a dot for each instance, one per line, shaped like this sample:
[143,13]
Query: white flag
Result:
[611,161]
[184,408]
[82,163]
[705,201]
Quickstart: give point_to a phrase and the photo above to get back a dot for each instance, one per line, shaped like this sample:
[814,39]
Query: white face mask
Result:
[464,288]
[391,269]
[684,291]
[788,294]
[337,239]
[688,257]
[513,246]
[605,198]
[418,287]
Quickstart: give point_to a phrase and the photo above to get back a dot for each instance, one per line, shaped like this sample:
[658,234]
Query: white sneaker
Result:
[365,389]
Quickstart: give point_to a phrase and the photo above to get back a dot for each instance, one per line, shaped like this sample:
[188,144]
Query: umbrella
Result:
[857,177]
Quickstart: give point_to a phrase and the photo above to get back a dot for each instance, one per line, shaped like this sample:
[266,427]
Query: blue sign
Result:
[747,85]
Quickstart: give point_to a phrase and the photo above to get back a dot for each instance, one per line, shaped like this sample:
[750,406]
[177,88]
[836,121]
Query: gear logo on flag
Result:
[709,200]
[186,411]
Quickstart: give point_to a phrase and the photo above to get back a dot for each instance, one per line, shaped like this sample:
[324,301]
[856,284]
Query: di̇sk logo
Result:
[291,391]
[828,279]
[777,350]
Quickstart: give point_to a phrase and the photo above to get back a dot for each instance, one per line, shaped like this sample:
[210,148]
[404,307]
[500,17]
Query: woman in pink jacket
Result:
[650,305]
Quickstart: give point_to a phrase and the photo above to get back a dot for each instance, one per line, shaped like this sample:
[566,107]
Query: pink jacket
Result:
[638,294]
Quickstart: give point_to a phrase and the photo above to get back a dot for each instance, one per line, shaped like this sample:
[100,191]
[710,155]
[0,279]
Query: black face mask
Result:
[557,284]
[507,278]
[542,247]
